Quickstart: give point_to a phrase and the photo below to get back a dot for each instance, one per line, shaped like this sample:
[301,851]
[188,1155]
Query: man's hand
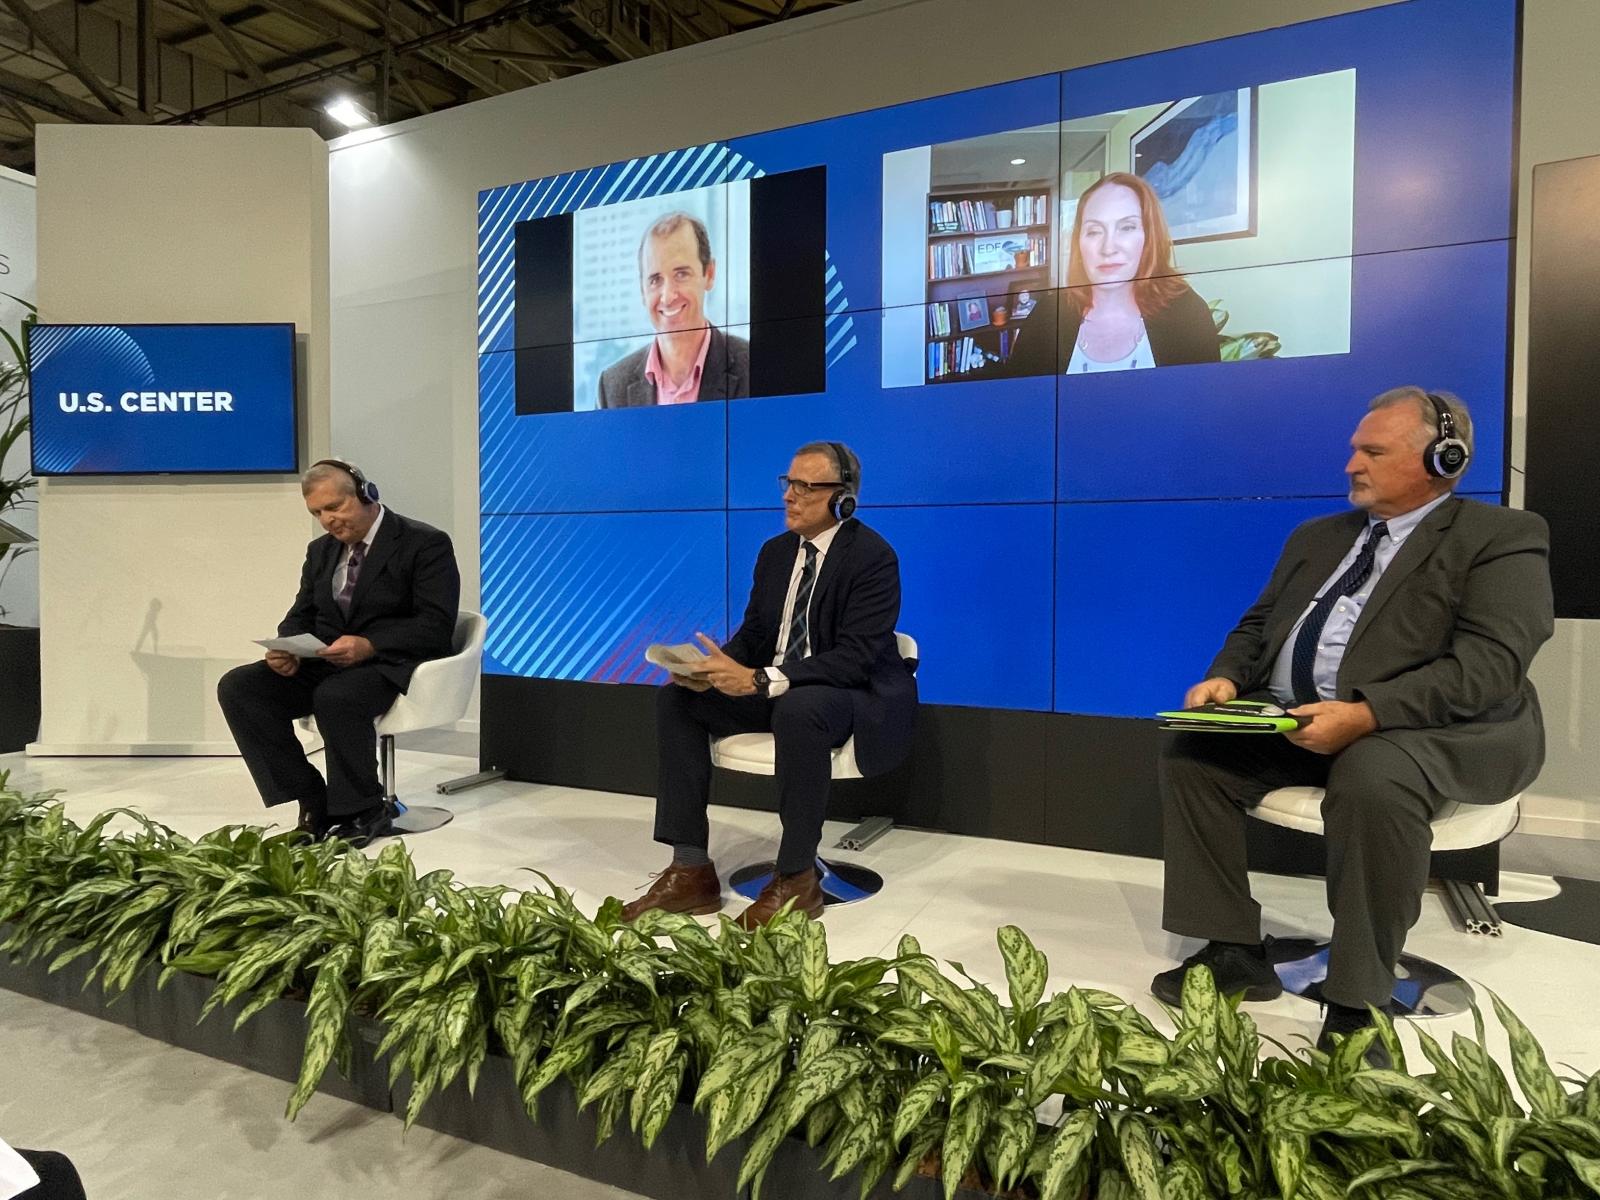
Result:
[1334,725]
[721,672]
[693,683]
[1212,691]
[347,651]
[282,662]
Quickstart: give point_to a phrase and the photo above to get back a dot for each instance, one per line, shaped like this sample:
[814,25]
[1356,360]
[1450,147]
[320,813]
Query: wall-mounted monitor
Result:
[163,399]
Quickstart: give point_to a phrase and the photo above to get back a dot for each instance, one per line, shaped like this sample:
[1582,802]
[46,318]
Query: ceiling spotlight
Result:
[1017,162]
[348,113]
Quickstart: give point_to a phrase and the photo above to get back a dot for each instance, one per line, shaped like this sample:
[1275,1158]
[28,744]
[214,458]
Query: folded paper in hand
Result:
[1232,716]
[301,645]
[685,659]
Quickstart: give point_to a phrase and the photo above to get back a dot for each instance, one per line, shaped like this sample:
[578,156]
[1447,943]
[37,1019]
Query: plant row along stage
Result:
[886,1065]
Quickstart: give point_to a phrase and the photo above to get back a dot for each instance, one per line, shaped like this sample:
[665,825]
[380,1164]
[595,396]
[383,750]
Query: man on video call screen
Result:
[688,359]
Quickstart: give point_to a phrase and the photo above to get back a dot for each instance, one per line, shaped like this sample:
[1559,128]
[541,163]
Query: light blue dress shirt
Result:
[1342,619]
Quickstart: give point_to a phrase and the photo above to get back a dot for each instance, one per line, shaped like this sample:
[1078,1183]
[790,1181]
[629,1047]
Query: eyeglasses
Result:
[804,489]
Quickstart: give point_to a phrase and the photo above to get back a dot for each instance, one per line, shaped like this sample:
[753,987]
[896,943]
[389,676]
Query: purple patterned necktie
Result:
[352,570]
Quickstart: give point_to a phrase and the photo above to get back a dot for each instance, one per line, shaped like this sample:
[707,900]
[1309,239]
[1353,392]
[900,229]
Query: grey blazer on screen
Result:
[1442,648]
[726,375]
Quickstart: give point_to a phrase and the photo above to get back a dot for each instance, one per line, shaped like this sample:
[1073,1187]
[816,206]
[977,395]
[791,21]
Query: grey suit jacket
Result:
[726,375]
[1442,649]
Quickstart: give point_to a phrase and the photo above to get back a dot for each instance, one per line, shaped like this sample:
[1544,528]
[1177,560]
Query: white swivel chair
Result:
[756,754]
[1424,988]
[441,689]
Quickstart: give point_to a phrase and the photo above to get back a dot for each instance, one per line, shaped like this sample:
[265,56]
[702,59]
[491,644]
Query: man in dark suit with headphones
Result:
[381,590]
[814,662]
[1402,633]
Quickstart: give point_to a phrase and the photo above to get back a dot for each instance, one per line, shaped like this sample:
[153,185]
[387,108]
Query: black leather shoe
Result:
[364,828]
[313,822]
[1341,1022]
[1234,968]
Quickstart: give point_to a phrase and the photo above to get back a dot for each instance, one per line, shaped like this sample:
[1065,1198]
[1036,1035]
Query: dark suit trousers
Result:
[58,1178]
[806,724]
[1375,816]
[261,706]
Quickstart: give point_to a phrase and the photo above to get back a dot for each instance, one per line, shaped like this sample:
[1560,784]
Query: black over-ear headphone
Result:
[366,490]
[842,504]
[1447,455]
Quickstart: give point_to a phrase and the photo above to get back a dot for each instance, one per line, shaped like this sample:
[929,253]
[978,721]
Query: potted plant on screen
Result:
[19,644]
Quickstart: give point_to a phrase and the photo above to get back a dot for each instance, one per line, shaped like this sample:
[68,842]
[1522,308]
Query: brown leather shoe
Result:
[805,889]
[693,890]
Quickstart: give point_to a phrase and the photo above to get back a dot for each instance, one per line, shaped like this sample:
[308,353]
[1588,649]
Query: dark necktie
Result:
[1302,665]
[352,570]
[800,619]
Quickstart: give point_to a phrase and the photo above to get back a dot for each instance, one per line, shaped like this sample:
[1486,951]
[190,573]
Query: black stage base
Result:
[1055,779]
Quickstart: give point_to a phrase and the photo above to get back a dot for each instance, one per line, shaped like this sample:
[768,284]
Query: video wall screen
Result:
[1099,337]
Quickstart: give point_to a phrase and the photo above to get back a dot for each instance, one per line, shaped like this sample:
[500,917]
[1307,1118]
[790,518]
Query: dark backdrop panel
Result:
[1563,365]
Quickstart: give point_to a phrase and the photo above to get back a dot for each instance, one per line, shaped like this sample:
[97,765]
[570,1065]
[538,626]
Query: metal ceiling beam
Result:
[57,46]
[316,18]
[148,54]
[43,96]
[252,69]
[193,32]
[510,12]
[543,60]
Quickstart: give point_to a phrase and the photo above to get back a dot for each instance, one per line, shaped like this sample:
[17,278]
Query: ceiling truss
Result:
[278,62]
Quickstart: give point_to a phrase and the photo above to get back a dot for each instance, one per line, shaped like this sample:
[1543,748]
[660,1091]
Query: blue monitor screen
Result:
[163,399]
[1099,338]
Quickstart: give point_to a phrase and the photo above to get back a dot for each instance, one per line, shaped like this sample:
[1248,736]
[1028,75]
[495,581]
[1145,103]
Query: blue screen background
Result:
[1079,544]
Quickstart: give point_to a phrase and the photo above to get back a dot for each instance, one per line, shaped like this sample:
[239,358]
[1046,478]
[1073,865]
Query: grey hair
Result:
[670,224]
[322,472]
[1418,399]
[830,450]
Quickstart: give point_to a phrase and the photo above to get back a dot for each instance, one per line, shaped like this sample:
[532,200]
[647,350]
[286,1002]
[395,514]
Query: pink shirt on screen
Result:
[689,390]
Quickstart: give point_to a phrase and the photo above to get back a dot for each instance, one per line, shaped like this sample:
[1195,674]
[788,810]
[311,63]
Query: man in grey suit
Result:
[688,359]
[1403,630]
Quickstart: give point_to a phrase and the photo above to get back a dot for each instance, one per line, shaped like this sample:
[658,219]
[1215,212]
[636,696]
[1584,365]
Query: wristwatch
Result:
[760,678]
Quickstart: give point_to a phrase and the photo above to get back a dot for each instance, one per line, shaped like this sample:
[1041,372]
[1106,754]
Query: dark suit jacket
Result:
[1182,332]
[854,609]
[1442,648]
[726,375]
[405,601]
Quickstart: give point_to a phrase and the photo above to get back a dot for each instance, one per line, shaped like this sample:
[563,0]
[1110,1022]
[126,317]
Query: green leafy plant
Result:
[889,1067]
[1237,347]
[14,423]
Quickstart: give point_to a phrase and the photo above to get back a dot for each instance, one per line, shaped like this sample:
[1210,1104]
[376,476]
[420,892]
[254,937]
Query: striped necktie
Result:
[1304,660]
[800,620]
[352,570]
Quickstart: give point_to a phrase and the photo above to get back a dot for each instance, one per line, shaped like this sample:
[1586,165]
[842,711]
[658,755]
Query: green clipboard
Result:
[1232,716]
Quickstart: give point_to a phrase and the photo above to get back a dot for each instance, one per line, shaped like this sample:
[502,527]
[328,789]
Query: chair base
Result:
[842,883]
[419,818]
[1421,989]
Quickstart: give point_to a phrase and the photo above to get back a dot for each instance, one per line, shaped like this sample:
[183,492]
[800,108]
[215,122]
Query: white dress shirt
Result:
[16,1176]
[344,555]
[823,540]
[1344,615]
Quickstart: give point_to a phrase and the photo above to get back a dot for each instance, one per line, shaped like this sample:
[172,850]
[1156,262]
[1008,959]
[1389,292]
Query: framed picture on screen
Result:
[1199,154]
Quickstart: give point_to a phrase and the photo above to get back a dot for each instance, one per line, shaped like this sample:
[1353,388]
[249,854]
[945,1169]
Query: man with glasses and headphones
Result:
[1401,633]
[814,662]
[381,590]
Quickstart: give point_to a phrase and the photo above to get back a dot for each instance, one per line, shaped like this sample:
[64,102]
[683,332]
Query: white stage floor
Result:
[1097,916]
